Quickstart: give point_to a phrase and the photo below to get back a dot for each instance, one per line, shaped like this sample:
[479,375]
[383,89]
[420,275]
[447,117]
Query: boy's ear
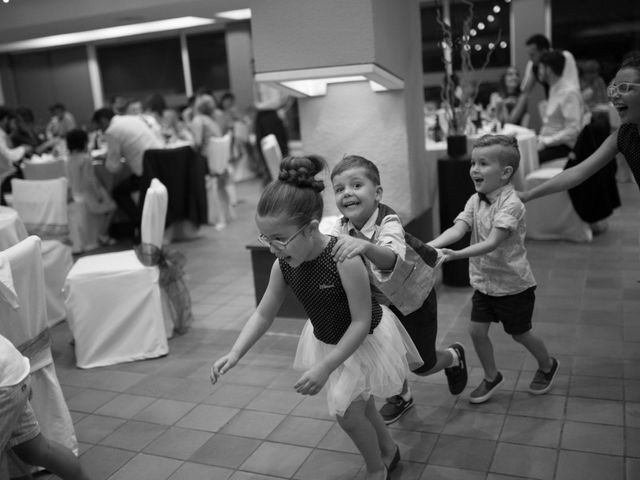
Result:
[507,172]
[378,193]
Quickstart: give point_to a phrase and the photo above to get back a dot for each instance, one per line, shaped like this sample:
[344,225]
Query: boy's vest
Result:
[411,281]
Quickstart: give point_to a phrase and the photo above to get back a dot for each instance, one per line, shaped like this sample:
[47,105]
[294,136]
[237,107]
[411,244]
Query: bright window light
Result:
[106,33]
[241,14]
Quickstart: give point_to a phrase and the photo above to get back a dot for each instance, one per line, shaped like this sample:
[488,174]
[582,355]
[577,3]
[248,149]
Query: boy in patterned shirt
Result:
[499,270]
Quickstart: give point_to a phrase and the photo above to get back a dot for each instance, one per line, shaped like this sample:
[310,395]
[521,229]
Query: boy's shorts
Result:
[18,423]
[513,311]
[422,327]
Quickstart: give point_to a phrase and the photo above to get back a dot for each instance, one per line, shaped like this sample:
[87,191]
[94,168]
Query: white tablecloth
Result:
[12,230]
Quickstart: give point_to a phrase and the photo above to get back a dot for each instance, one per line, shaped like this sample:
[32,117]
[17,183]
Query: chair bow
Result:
[171,264]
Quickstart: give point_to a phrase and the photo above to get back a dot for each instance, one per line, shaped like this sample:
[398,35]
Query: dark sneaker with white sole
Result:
[457,376]
[484,391]
[395,407]
[542,382]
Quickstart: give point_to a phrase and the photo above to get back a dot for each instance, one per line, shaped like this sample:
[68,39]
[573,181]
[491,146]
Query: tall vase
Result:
[455,187]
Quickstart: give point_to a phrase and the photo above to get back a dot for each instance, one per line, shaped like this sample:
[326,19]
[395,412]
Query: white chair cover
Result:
[553,217]
[42,206]
[44,170]
[12,229]
[27,325]
[131,323]
[272,154]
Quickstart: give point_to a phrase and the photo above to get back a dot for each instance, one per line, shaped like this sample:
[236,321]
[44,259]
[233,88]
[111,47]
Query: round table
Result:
[12,230]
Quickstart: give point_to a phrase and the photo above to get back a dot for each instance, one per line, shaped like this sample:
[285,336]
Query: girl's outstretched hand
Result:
[222,366]
[312,381]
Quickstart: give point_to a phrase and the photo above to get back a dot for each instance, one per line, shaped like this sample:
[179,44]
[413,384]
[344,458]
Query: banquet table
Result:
[12,230]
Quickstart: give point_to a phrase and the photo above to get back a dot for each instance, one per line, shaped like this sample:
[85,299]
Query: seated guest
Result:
[127,137]
[174,130]
[503,102]
[9,157]
[562,116]
[87,190]
[61,121]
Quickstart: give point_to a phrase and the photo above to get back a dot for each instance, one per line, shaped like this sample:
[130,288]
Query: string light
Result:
[496,9]
[473,32]
[490,18]
[492,45]
[478,47]
[480,26]
[503,44]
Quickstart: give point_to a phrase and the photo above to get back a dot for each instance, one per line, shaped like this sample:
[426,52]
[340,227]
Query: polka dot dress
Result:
[629,146]
[317,285]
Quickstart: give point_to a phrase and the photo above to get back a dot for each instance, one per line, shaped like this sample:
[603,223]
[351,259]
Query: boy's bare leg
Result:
[53,456]
[484,348]
[537,348]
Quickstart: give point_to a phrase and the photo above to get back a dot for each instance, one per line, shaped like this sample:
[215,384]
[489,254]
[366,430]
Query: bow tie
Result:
[483,198]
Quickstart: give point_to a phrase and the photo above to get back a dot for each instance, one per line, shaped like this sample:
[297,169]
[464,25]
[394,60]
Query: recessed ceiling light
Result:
[106,33]
[242,14]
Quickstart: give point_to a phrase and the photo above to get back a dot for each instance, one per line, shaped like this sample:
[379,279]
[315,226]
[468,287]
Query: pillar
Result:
[385,127]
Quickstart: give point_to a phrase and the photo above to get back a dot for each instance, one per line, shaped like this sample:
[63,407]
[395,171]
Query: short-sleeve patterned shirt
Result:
[629,146]
[505,270]
[317,285]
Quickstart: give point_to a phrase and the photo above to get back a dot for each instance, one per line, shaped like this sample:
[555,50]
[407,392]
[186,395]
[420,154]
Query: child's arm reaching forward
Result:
[355,281]
[257,324]
[450,235]
[495,238]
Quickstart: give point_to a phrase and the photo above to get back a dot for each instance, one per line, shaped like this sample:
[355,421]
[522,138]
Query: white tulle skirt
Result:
[378,367]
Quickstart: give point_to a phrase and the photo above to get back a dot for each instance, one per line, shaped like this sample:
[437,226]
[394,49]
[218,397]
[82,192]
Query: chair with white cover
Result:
[23,321]
[42,206]
[218,153]
[553,217]
[44,170]
[272,154]
[114,303]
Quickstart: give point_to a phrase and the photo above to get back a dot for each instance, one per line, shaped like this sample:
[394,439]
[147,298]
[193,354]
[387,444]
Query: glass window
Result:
[137,69]
[208,60]
[489,28]
[601,30]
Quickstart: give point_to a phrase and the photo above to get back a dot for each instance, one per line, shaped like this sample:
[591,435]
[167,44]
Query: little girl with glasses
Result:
[624,94]
[351,344]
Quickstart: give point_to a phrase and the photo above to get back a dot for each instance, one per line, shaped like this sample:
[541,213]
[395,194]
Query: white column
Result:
[186,66]
[94,77]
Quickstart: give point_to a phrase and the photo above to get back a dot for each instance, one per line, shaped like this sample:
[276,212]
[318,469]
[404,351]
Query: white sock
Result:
[456,359]
[407,395]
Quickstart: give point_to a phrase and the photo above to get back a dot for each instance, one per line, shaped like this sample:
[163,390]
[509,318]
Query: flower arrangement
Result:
[459,92]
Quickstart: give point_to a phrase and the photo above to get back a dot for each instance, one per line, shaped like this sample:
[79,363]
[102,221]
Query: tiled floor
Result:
[162,419]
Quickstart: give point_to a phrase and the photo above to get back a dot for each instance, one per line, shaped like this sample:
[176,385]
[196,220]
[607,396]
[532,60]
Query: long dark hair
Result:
[296,193]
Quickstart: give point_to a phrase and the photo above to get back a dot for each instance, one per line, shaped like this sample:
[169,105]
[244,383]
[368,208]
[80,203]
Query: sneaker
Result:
[542,382]
[457,376]
[395,407]
[485,390]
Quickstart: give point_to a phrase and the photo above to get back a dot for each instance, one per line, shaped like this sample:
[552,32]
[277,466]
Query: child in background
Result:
[19,429]
[351,343]
[373,230]
[86,189]
[498,267]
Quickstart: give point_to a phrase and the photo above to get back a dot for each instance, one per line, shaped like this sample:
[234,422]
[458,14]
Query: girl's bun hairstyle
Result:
[301,171]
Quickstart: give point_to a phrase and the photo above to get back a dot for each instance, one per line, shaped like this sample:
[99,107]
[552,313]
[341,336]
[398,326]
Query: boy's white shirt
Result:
[393,238]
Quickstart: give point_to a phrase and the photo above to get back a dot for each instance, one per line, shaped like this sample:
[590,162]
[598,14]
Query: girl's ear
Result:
[314,225]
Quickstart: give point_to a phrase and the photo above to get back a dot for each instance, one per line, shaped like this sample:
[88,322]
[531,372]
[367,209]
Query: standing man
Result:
[127,138]
[562,116]
[537,45]
[268,101]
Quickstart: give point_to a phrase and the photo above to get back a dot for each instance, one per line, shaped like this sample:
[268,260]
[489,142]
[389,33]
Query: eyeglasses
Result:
[279,244]
[622,88]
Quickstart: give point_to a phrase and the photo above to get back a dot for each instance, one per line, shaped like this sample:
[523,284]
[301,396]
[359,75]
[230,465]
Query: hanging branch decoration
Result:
[457,116]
